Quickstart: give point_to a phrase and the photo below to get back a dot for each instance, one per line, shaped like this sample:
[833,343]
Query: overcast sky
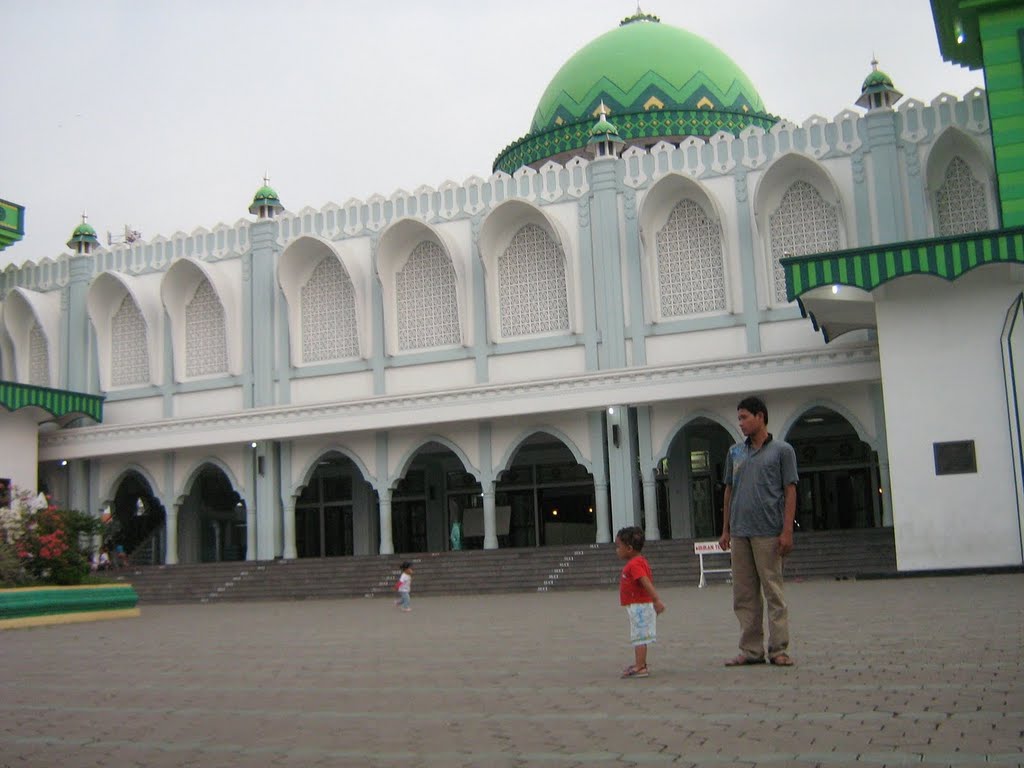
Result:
[165,115]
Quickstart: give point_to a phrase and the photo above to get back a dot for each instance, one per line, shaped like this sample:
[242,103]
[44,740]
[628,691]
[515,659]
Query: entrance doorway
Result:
[839,485]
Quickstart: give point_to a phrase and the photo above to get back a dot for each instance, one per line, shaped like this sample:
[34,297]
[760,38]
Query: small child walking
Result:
[637,594]
[404,586]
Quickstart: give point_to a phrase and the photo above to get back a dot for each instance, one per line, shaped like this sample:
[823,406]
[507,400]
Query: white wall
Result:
[19,442]
[943,381]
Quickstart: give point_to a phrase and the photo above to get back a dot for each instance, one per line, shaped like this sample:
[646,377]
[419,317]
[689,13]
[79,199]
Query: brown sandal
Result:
[782,660]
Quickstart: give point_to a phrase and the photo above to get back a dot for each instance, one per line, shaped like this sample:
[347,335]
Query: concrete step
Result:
[833,554]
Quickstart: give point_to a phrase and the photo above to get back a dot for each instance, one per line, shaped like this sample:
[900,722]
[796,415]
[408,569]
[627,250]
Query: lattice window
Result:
[206,349]
[962,206]
[691,272]
[425,298]
[38,357]
[329,314]
[803,223]
[531,285]
[129,350]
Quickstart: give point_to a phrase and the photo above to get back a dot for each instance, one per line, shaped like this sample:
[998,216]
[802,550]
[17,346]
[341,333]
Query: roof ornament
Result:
[83,239]
[265,203]
[639,16]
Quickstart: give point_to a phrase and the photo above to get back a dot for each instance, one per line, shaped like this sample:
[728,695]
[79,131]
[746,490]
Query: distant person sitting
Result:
[101,560]
[120,557]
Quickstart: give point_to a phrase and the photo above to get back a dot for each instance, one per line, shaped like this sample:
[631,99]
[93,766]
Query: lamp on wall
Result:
[140,507]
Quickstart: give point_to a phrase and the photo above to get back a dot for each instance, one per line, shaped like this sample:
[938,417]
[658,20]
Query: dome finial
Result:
[639,16]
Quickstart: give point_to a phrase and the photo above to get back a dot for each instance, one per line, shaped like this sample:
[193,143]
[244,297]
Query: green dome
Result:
[640,61]
[875,79]
[658,82]
[265,198]
[84,230]
[265,193]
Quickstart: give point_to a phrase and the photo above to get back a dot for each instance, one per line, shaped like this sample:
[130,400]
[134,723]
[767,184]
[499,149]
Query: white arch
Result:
[177,288]
[797,413]
[498,229]
[302,256]
[656,208]
[517,443]
[677,429]
[407,458]
[128,469]
[307,471]
[950,144]
[105,295]
[196,469]
[22,310]
[396,245]
[776,181]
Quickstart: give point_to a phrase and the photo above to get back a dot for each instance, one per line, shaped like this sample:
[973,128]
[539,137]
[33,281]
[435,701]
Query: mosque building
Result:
[547,354]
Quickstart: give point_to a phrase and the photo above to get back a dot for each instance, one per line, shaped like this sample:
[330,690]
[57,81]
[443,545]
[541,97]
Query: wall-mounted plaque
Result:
[955,458]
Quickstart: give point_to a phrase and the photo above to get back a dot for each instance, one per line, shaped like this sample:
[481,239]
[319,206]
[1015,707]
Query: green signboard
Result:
[12,223]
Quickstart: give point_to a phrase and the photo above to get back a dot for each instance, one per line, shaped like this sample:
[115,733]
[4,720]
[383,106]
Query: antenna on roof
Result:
[129,236]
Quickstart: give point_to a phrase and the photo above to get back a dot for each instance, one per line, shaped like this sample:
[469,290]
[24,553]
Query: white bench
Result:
[704,548]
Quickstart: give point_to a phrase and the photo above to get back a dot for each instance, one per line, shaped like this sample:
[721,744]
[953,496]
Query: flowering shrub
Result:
[42,544]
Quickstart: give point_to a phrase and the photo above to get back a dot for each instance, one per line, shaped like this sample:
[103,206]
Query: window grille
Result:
[426,300]
[802,224]
[531,285]
[962,207]
[329,314]
[206,350]
[691,272]
[129,352]
[39,357]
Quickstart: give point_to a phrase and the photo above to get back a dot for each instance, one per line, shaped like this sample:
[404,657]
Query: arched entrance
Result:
[138,521]
[435,492]
[546,497]
[212,521]
[839,486]
[689,481]
[335,515]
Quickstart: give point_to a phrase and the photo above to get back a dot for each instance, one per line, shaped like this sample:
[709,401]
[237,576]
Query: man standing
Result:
[757,524]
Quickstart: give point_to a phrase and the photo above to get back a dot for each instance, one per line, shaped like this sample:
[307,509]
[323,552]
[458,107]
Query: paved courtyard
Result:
[905,672]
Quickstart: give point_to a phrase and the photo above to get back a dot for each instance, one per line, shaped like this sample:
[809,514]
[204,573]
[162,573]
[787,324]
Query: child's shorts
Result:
[643,623]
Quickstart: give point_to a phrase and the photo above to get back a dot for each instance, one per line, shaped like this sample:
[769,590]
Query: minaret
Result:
[604,137]
[83,239]
[877,91]
[261,319]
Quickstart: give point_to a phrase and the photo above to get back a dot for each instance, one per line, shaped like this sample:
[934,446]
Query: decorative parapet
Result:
[868,268]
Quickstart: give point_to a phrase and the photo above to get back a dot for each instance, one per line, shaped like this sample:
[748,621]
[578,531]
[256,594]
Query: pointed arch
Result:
[128,346]
[202,305]
[799,210]
[407,458]
[685,266]
[530,273]
[307,471]
[961,187]
[514,446]
[197,468]
[126,470]
[32,320]
[326,291]
[838,408]
[424,288]
[681,424]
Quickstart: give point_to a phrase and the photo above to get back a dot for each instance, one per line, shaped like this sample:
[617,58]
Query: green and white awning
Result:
[58,403]
[814,281]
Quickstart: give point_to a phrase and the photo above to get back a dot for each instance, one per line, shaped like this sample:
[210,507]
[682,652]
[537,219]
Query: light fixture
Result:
[814,420]
[140,507]
[835,289]
[252,444]
[958,27]
[611,411]
[554,513]
[63,462]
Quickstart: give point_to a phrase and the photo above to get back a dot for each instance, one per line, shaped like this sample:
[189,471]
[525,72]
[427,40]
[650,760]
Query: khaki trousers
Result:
[757,569]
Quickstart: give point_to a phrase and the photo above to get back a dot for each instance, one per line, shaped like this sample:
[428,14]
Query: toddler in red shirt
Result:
[637,594]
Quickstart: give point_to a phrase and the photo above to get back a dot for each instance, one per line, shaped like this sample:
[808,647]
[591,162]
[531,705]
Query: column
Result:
[885,484]
[250,530]
[604,535]
[387,545]
[651,530]
[490,519]
[171,540]
[290,553]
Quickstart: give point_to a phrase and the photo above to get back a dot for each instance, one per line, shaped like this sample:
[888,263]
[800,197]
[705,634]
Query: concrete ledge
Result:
[37,606]
[983,570]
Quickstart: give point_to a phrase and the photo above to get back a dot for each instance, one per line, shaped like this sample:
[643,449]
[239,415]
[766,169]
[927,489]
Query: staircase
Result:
[830,554]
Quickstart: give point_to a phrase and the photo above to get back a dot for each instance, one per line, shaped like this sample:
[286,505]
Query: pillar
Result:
[651,530]
[171,540]
[604,535]
[387,545]
[490,519]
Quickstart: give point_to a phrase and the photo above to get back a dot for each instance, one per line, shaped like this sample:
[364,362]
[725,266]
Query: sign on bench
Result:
[710,548]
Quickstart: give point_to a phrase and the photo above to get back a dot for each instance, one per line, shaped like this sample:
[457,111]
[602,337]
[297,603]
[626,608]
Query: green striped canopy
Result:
[57,402]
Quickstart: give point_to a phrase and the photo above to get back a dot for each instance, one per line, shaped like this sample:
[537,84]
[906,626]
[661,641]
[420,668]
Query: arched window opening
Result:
[691,274]
[426,300]
[205,337]
[804,223]
[129,352]
[960,201]
[532,287]
[39,357]
[329,314]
